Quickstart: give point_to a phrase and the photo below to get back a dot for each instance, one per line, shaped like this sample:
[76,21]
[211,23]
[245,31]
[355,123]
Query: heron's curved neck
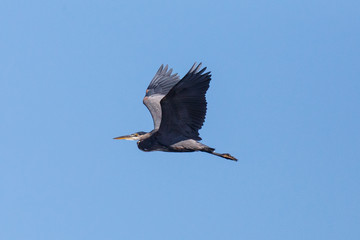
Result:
[145,136]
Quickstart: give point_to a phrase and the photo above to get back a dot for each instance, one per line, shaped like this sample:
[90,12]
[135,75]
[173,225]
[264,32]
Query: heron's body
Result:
[156,142]
[178,109]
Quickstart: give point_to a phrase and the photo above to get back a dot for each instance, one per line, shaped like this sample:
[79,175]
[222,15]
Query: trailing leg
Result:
[223,155]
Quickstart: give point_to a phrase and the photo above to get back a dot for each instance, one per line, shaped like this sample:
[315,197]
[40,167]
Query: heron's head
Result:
[135,136]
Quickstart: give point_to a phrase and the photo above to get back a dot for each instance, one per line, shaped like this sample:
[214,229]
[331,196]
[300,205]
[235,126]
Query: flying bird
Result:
[178,109]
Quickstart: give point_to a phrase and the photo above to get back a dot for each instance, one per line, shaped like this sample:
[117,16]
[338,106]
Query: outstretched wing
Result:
[184,107]
[159,86]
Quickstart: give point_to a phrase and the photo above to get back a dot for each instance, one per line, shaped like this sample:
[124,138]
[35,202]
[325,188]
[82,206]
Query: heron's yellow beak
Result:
[134,137]
[127,137]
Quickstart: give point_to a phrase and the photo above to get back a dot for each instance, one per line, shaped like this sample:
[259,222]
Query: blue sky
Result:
[284,100]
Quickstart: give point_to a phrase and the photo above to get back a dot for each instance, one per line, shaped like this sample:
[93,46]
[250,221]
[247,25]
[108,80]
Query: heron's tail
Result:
[223,155]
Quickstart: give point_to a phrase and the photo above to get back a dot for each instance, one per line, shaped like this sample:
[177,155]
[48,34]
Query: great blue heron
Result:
[178,109]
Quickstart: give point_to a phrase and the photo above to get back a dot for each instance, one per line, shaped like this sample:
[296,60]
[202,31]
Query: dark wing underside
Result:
[159,86]
[184,107]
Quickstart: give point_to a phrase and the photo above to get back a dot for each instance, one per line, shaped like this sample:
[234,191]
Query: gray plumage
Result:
[178,108]
[159,86]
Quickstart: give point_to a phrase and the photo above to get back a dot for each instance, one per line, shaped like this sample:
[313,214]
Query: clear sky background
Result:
[284,99]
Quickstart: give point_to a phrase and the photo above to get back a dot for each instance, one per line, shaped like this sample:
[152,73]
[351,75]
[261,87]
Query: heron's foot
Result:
[224,155]
[228,156]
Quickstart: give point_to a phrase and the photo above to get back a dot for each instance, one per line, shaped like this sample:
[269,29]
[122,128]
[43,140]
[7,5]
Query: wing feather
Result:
[159,86]
[184,107]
